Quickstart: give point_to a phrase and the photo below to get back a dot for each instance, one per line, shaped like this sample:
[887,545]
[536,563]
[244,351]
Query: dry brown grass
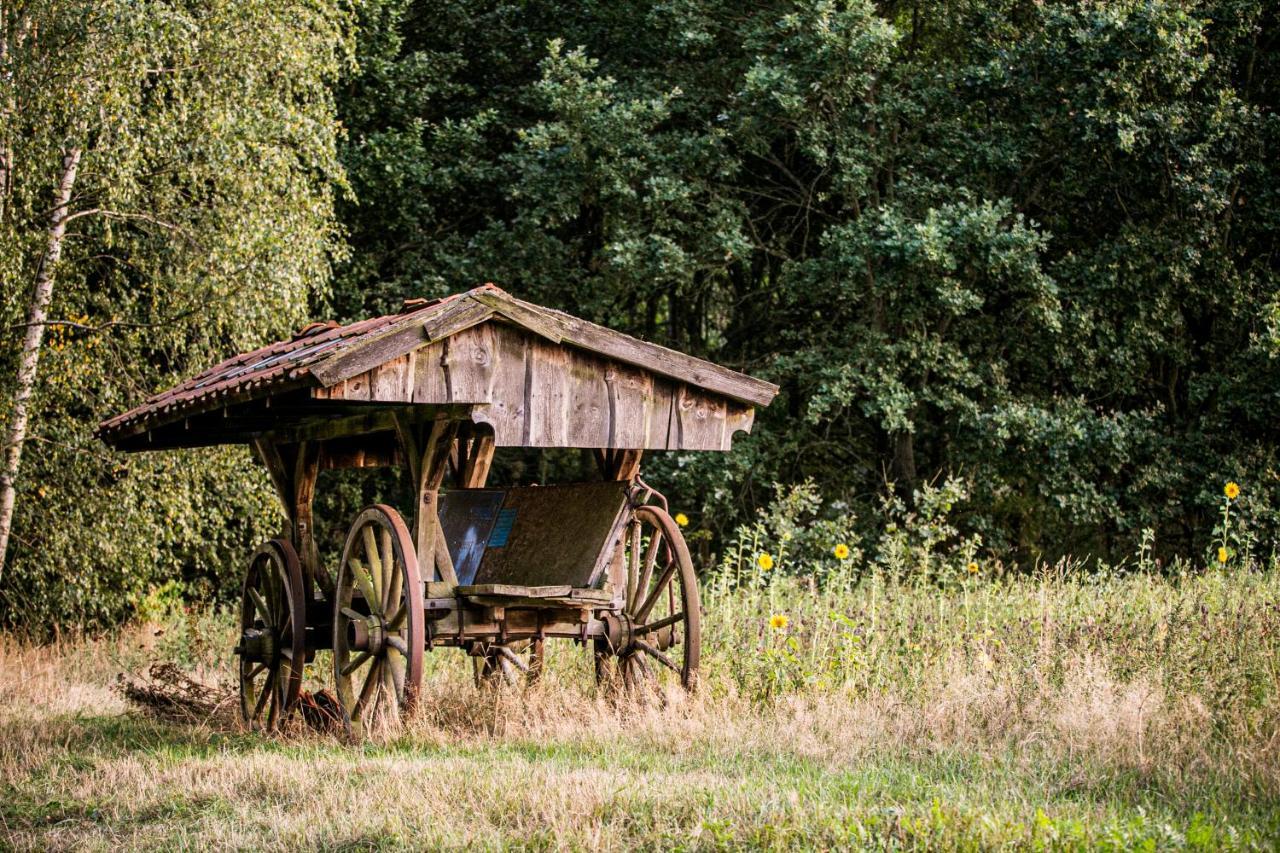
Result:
[971,749]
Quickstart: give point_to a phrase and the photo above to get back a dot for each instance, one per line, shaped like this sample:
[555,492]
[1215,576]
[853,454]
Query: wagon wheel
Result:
[378,623]
[272,647]
[510,663]
[657,638]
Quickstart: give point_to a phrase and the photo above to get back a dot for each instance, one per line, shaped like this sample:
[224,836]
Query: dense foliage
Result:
[1028,244]
[201,224]
[1023,249]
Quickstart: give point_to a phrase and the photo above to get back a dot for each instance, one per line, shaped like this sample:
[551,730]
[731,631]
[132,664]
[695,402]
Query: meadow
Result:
[1056,710]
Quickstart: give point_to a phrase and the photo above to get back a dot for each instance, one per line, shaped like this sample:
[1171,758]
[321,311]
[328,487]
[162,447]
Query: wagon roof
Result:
[324,354]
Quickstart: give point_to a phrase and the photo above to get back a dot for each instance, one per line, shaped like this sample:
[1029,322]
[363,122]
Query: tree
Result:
[190,151]
[1029,244]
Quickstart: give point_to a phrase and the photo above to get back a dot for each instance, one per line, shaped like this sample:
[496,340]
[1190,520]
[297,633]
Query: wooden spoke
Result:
[511,658]
[510,664]
[265,694]
[642,612]
[375,564]
[657,655]
[392,703]
[660,624]
[633,565]
[355,663]
[389,570]
[396,663]
[263,610]
[372,681]
[365,583]
[378,564]
[647,566]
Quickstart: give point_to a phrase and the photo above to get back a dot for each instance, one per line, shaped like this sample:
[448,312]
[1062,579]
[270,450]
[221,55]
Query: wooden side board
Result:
[535,393]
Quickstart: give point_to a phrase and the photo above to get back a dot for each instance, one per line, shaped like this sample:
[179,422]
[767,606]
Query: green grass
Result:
[211,788]
[1121,712]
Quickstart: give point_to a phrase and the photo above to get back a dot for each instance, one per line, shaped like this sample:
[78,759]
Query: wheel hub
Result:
[367,635]
[620,630]
[258,645]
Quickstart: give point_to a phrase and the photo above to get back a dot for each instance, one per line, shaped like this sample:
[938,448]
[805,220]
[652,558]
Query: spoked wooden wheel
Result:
[272,645]
[657,639]
[510,664]
[378,625]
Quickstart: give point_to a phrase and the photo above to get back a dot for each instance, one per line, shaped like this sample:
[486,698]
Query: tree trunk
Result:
[904,460]
[30,360]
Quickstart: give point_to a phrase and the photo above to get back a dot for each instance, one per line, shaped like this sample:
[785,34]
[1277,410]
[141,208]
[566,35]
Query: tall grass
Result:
[1047,711]
[916,696]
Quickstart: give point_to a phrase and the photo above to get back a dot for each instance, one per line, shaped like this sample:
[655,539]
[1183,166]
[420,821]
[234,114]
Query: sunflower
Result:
[682,519]
[765,561]
[1223,555]
[972,568]
[841,551]
[779,621]
[1231,490]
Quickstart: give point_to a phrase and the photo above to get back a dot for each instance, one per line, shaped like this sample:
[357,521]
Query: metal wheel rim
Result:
[638,668]
[273,581]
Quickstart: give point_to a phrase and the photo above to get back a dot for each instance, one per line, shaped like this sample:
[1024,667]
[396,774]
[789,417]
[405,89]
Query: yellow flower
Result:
[779,621]
[972,568]
[841,551]
[1231,490]
[1223,555]
[682,519]
[765,561]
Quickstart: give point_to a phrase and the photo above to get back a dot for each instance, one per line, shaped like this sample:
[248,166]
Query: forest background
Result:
[1020,255]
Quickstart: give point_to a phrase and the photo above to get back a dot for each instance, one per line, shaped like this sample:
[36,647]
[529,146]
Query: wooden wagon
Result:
[437,388]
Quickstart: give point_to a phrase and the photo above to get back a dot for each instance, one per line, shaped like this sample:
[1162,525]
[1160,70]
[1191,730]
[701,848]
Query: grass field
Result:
[1125,711]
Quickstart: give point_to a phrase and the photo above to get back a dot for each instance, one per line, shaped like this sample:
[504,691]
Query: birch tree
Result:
[166,178]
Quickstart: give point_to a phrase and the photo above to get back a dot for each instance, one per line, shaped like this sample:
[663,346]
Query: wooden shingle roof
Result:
[323,357]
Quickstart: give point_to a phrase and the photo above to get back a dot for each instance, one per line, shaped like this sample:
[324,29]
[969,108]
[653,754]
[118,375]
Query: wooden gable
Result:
[536,393]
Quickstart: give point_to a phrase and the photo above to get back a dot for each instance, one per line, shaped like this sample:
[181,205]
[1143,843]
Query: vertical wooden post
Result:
[293,471]
[306,469]
[619,464]
[474,456]
[428,457]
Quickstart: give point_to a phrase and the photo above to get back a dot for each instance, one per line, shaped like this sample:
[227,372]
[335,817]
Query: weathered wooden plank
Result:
[515,589]
[518,312]
[699,420]
[387,381]
[429,385]
[506,411]
[462,314]
[589,415]
[546,396]
[468,363]
[402,337]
